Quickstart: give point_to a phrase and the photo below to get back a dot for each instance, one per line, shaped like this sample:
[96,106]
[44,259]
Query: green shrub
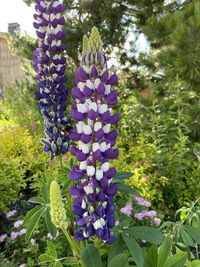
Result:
[22,162]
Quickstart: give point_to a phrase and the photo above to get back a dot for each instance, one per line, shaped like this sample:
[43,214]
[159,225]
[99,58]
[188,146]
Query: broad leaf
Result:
[120,176]
[91,257]
[135,250]
[116,248]
[71,261]
[164,251]
[146,233]
[51,249]
[187,239]
[151,256]
[193,232]
[123,188]
[46,258]
[177,260]
[119,261]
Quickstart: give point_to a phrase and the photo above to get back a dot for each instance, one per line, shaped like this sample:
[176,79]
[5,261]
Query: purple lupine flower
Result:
[50,65]
[11,213]
[127,210]
[18,223]
[141,201]
[3,238]
[93,193]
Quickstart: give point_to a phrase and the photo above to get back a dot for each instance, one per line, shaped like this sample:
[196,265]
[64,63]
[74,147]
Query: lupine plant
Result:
[92,110]
[49,62]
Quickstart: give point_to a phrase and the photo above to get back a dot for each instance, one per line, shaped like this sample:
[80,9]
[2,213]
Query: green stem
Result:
[61,163]
[190,210]
[72,245]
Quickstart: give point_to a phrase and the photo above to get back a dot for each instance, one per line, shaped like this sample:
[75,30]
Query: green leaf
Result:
[58,264]
[187,239]
[196,263]
[164,251]
[135,250]
[176,260]
[45,258]
[37,200]
[71,261]
[45,193]
[193,232]
[151,256]
[116,248]
[120,176]
[119,261]
[33,222]
[166,224]
[146,233]
[30,213]
[52,229]
[91,257]
[123,188]
[51,249]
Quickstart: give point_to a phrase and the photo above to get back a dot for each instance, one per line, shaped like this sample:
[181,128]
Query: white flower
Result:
[97,126]
[90,170]
[99,175]
[103,147]
[106,128]
[105,166]
[102,108]
[88,189]
[95,147]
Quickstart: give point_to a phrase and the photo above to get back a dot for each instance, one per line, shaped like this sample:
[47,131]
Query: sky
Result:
[16,11]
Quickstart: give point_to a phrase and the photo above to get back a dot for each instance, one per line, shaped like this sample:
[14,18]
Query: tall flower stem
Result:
[92,110]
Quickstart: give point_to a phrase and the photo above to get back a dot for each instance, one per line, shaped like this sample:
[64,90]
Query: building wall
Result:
[10,65]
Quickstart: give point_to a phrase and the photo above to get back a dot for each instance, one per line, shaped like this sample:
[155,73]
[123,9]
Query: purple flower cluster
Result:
[94,99]
[141,214]
[50,65]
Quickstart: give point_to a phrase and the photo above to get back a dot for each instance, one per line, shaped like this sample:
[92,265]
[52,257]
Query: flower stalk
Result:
[92,110]
[49,62]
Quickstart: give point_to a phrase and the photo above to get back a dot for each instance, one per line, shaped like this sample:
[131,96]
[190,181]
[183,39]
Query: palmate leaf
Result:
[51,249]
[123,188]
[33,222]
[91,257]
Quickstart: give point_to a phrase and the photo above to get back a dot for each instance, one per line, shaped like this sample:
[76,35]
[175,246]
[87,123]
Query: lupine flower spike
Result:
[50,64]
[92,110]
[57,210]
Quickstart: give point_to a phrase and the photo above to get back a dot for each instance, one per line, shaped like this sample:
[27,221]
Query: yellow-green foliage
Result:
[145,180]
[21,159]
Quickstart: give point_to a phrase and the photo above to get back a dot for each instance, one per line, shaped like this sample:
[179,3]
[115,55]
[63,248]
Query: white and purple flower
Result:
[50,65]
[92,110]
